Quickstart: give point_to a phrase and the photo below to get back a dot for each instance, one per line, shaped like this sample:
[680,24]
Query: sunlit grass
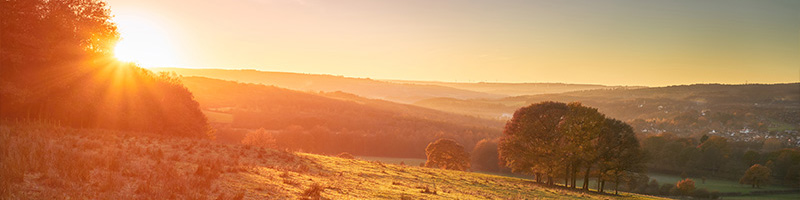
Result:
[140,165]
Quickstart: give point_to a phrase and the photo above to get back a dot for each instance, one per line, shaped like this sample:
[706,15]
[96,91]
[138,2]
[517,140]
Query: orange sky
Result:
[615,42]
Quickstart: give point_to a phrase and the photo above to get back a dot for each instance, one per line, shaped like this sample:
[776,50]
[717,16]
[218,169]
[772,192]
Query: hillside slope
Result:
[343,122]
[96,164]
[685,109]
[369,88]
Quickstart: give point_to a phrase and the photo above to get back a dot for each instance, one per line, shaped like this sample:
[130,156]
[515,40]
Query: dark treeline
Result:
[714,156]
[553,140]
[57,65]
[331,123]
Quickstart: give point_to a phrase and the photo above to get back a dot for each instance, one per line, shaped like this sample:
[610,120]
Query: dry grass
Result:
[41,161]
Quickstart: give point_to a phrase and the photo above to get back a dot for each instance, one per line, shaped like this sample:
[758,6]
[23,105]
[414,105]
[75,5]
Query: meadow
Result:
[713,184]
[43,161]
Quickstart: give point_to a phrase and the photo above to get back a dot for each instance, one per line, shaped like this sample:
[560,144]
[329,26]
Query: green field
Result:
[768,197]
[712,184]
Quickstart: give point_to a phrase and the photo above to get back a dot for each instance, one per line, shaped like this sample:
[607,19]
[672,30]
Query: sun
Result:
[144,42]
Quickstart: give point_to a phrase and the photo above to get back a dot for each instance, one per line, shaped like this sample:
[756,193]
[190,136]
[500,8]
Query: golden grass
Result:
[41,161]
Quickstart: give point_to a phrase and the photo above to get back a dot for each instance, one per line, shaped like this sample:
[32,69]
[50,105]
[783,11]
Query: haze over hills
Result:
[516,89]
[406,93]
[379,127]
[759,110]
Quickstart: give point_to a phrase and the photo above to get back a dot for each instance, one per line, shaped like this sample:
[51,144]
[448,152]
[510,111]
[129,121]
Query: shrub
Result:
[447,154]
[313,192]
[714,195]
[686,186]
[665,189]
[346,155]
[701,193]
[652,187]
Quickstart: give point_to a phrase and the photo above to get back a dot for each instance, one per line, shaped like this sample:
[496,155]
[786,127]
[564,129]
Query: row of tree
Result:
[715,156]
[553,140]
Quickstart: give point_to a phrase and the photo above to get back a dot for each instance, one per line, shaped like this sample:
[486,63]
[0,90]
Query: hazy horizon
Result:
[647,43]
[466,81]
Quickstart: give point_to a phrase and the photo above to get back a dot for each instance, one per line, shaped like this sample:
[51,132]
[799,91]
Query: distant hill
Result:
[344,121]
[687,109]
[517,89]
[399,92]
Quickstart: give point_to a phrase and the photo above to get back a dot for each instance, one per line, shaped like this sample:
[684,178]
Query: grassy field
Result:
[716,184]
[396,161]
[40,161]
[767,197]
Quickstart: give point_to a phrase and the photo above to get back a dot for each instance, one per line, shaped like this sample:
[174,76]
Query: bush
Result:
[313,192]
[447,154]
[652,187]
[701,193]
[686,186]
[714,195]
[346,155]
[666,188]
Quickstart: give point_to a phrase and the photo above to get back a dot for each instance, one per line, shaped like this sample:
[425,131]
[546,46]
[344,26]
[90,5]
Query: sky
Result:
[612,42]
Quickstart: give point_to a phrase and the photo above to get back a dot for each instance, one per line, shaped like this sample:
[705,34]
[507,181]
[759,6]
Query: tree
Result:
[714,153]
[620,153]
[685,186]
[259,138]
[756,176]
[582,127]
[484,156]
[56,64]
[447,154]
[531,142]
[552,139]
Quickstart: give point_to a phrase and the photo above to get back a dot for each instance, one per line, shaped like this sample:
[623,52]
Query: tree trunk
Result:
[603,186]
[586,178]
[575,171]
[566,176]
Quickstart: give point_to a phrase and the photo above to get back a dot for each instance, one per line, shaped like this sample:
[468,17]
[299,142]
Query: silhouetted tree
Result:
[447,154]
[756,176]
[56,65]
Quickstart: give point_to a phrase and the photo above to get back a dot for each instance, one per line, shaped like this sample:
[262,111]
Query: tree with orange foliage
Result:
[685,186]
[756,176]
[447,154]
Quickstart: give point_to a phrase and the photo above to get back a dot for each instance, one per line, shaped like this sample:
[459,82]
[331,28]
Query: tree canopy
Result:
[553,139]
[447,154]
[756,176]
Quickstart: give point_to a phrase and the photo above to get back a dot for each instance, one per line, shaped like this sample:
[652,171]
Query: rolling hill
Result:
[685,109]
[369,88]
[343,122]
